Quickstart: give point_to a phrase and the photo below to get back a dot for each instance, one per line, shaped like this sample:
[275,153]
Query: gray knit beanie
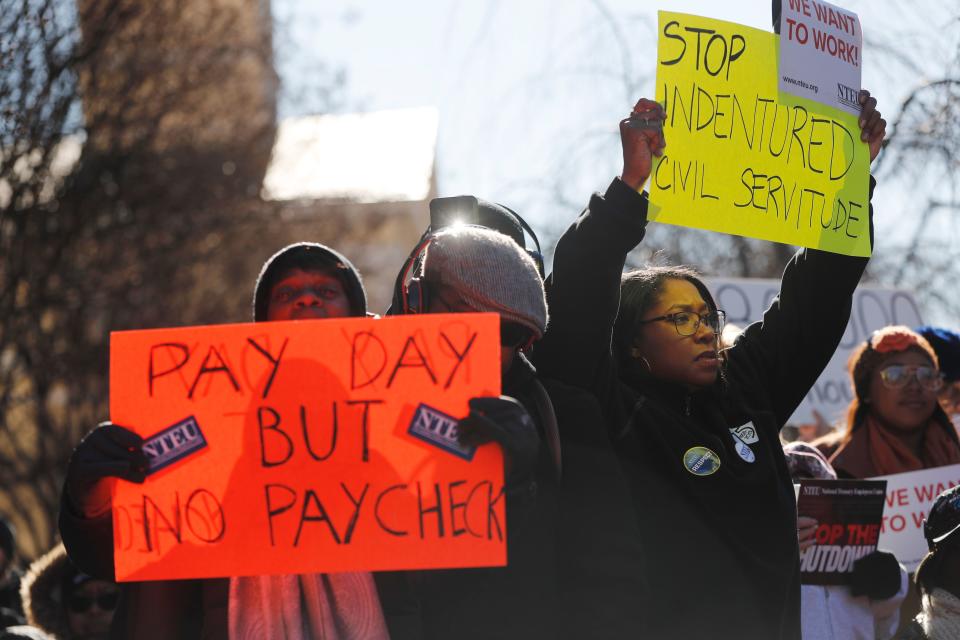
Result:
[489,272]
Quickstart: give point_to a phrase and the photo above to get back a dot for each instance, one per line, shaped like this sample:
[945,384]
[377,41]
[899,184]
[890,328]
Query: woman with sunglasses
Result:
[894,422]
[66,603]
[696,429]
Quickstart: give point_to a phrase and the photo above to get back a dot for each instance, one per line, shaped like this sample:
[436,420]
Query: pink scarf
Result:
[339,606]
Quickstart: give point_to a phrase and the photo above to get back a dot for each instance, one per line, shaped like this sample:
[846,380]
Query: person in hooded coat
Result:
[66,603]
[302,281]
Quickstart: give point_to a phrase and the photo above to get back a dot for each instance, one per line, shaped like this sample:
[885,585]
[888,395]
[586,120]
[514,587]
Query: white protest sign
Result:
[909,498]
[821,48]
[745,300]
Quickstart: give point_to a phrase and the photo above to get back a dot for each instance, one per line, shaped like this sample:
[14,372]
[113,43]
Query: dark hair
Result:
[640,290]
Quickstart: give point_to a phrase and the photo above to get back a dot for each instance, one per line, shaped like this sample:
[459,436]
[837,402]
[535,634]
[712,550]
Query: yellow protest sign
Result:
[744,159]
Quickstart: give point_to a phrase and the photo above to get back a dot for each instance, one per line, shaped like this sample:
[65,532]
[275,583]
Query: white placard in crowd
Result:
[746,299]
[909,498]
[821,53]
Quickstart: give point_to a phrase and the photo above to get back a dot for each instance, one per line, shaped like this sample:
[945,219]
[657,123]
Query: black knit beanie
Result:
[308,256]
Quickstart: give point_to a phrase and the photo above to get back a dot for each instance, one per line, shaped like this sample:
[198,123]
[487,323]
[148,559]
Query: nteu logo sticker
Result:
[440,430]
[701,461]
[174,443]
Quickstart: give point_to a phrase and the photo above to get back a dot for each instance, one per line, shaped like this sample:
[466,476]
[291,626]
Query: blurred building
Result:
[183,184]
[170,83]
[359,182]
[185,94]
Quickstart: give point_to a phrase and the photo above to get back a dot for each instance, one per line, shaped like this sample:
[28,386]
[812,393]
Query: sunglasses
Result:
[898,375]
[82,604]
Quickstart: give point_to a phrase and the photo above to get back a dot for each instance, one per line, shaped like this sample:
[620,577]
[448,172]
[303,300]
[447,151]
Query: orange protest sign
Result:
[307,446]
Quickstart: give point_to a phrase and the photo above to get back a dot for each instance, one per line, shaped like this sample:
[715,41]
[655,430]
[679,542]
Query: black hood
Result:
[308,255]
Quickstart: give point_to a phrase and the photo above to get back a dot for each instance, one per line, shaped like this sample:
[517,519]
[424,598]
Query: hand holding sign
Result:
[505,421]
[873,128]
[109,451]
[806,531]
[641,136]
[876,575]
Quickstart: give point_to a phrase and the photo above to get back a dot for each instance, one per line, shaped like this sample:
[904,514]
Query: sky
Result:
[530,93]
[510,79]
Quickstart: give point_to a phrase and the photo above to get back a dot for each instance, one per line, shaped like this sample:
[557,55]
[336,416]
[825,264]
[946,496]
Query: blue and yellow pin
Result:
[701,461]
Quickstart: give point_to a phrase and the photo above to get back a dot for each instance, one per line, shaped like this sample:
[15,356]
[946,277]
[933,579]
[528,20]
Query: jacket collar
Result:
[519,375]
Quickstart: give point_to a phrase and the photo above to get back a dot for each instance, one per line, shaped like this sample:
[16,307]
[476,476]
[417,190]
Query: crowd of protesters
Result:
[621,407]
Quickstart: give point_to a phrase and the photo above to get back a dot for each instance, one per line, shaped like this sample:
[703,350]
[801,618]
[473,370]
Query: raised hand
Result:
[872,127]
[641,136]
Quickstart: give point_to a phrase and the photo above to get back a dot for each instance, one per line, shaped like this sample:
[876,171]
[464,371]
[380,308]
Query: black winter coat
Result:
[574,568]
[189,609]
[722,556]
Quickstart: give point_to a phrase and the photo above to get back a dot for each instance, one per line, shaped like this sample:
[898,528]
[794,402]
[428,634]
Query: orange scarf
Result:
[890,455]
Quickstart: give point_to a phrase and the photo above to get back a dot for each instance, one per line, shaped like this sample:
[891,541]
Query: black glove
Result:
[875,575]
[107,451]
[505,421]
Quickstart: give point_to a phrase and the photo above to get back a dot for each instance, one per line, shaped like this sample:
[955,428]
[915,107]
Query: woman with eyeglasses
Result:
[696,428]
[894,422]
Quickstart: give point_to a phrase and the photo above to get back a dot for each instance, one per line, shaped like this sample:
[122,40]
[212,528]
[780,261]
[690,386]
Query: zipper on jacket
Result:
[686,405]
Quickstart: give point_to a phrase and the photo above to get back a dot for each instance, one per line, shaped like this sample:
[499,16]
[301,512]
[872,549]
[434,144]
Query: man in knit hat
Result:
[301,281]
[567,511]
[476,269]
[466,269]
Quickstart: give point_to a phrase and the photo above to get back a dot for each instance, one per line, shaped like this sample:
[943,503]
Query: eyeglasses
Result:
[898,375]
[688,323]
[82,604]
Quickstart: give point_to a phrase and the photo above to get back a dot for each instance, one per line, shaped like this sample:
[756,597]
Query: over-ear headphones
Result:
[414,293]
[410,293]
